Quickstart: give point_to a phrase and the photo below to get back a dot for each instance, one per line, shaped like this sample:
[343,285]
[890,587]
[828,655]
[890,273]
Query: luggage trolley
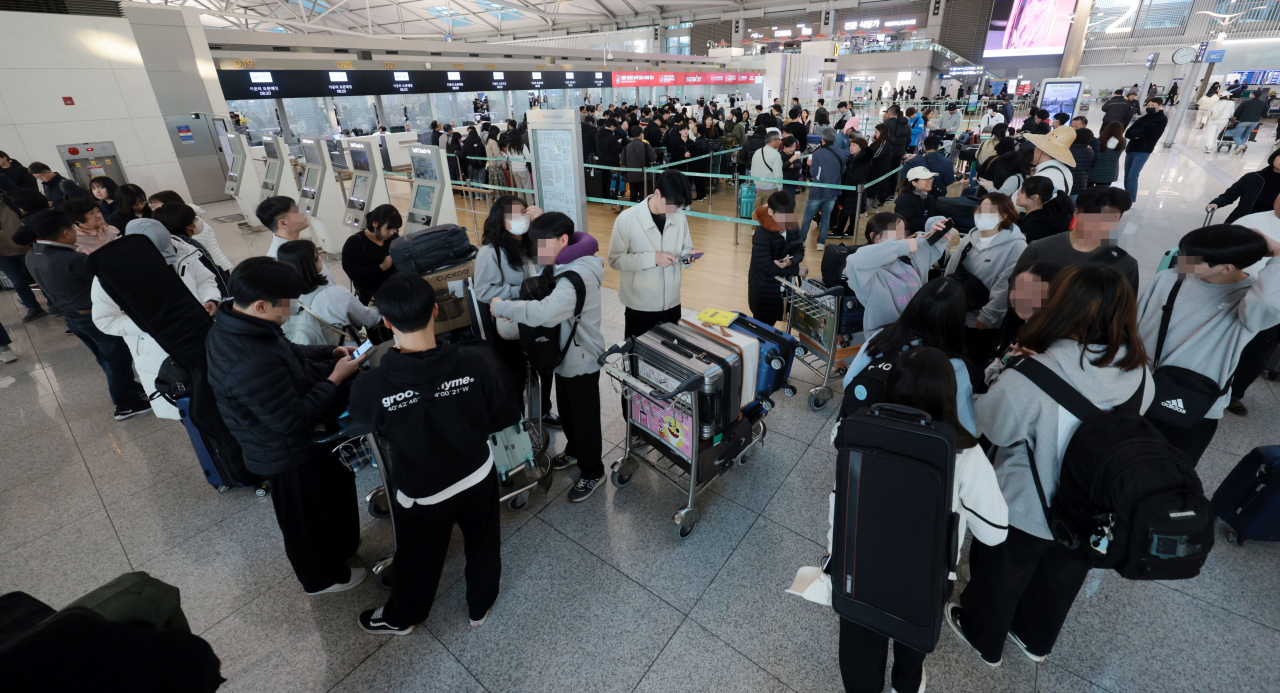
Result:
[668,421]
[814,314]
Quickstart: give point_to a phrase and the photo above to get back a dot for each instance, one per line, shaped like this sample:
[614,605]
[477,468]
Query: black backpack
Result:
[834,257]
[1127,499]
[541,344]
[867,387]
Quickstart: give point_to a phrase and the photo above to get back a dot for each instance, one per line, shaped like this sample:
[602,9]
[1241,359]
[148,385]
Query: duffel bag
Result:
[430,249]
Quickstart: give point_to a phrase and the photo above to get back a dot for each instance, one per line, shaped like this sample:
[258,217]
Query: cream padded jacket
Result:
[633,245]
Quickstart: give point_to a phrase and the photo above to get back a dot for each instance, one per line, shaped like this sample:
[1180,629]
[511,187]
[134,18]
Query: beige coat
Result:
[633,246]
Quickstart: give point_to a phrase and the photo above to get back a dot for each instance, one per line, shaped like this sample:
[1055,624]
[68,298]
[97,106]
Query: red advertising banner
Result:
[1024,88]
[662,79]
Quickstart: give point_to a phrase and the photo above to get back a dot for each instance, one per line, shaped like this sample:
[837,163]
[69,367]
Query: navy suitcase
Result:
[211,457]
[777,355]
[1249,498]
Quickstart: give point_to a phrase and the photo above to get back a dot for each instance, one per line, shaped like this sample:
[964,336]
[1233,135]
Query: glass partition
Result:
[258,117]
[415,108]
[307,117]
[356,112]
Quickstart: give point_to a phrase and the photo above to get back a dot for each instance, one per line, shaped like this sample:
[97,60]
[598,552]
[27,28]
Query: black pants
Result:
[422,540]
[1193,441]
[637,190]
[316,509]
[113,357]
[1253,360]
[1025,584]
[512,355]
[579,402]
[864,655]
[978,347]
[637,322]
[700,186]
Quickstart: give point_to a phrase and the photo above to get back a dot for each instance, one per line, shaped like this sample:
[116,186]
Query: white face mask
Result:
[519,225]
[986,222]
[1113,143]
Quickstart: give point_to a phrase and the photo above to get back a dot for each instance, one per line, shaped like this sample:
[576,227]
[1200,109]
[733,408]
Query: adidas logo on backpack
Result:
[1174,404]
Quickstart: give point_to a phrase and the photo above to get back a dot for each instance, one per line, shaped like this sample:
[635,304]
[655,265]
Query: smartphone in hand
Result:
[686,259]
[360,350]
[936,236]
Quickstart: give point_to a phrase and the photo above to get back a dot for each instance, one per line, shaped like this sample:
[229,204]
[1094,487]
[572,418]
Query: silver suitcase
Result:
[665,363]
[717,352]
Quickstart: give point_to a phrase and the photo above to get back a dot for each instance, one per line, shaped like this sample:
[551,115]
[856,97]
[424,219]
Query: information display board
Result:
[557,169]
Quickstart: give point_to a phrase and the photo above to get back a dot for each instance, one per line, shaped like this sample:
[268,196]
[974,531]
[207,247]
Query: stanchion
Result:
[737,190]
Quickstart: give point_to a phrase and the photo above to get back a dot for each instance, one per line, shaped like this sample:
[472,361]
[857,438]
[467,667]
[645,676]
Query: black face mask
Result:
[1150,110]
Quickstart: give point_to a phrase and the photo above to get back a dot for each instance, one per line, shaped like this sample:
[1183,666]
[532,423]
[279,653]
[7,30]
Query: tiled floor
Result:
[597,596]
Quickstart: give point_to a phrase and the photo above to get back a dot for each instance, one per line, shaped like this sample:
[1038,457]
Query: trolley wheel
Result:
[1234,537]
[261,491]
[223,489]
[818,398]
[684,522]
[519,502]
[767,404]
[839,373]
[789,391]
[383,580]
[777,364]
[1270,375]
[378,506]
[619,479]
[801,352]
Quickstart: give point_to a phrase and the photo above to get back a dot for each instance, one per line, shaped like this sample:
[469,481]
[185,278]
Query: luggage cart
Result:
[1226,140]
[668,421]
[812,317]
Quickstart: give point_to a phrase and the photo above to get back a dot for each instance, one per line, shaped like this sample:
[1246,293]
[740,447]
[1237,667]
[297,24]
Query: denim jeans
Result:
[114,358]
[11,266]
[810,208]
[478,176]
[1133,163]
[1242,131]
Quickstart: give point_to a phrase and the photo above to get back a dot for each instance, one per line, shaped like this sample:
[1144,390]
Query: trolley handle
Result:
[694,382]
[833,291]
[347,429]
[620,348]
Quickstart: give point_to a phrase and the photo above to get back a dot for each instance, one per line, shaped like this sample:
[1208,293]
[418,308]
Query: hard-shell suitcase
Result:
[777,353]
[665,363]
[217,463]
[1249,498]
[748,352]
[430,249]
[512,449]
[594,178]
[894,537]
[716,351]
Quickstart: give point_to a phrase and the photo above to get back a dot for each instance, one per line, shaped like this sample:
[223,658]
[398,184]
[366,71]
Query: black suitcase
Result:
[894,541]
[594,178]
[430,249]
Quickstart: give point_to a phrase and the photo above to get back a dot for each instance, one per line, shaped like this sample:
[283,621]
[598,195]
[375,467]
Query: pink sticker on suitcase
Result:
[665,422]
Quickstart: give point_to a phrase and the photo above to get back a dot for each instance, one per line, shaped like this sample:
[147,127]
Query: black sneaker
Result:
[550,420]
[583,489]
[54,312]
[34,314]
[952,614]
[1237,407]
[1037,658]
[123,413]
[371,622]
[563,461]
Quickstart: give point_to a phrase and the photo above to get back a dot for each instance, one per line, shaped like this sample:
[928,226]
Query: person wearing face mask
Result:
[891,268]
[988,253]
[1106,168]
[1091,239]
[202,234]
[366,256]
[502,265]
[1028,291]
[775,252]
[1143,136]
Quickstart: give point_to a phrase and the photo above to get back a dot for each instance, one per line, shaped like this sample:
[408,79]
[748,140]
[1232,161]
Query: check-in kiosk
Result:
[278,179]
[321,196]
[243,183]
[368,190]
[431,197]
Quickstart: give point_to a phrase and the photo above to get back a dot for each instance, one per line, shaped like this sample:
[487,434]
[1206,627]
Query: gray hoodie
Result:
[883,283]
[495,277]
[1211,323]
[1015,410]
[993,265]
[588,342]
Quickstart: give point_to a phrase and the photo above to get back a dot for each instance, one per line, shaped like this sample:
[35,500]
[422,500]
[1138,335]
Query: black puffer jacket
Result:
[900,131]
[1042,223]
[1082,152]
[768,243]
[271,392]
[857,170]
[1246,190]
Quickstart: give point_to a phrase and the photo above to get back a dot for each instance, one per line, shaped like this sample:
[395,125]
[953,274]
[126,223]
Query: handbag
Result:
[1183,396]
[976,294]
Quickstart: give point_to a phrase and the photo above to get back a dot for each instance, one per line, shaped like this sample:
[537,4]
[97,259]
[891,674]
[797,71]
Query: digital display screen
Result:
[422,198]
[270,148]
[1028,27]
[273,172]
[312,154]
[1060,97]
[313,177]
[359,190]
[360,160]
[336,158]
[337,76]
[424,168]
[260,77]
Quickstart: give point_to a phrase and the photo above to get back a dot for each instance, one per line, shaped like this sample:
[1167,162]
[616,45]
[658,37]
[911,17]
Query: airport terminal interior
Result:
[599,595]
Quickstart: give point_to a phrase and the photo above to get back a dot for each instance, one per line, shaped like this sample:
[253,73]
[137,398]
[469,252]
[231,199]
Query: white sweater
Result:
[633,246]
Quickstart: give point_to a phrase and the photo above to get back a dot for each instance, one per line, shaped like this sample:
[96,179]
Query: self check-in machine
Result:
[243,183]
[278,179]
[431,197]
[368,190]
[321,196]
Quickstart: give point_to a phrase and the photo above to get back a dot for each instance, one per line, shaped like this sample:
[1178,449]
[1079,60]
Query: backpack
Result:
[834,256]
[541,343]
[1127,499]
[976,294]
[867,387]
[1183,396]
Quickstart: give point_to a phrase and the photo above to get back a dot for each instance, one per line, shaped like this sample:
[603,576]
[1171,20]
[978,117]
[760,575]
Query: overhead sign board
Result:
[1215,56]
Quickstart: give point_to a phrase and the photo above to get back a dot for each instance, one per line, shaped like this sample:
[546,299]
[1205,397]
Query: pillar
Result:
[1075,40]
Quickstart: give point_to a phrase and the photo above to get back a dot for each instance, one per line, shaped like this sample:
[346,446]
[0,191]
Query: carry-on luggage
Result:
[1249,498]
[777,355]
[664,363]
[594,178]
[748,352]
[894,540]
[715,350]
[215,461]
[432,248]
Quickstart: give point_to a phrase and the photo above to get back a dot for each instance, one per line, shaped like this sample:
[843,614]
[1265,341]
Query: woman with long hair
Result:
[105,189]
[327,313]
[1049,211]
[881,163]
[519,155]
[202,233]
[131,203]
[1111,144]
[1087,334]
[502,264]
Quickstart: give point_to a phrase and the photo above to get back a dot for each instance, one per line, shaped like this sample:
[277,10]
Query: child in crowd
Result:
[1028,291]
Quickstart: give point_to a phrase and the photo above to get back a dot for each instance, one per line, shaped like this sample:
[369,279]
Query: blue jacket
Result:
[917,128]
[939,164]
[825,166]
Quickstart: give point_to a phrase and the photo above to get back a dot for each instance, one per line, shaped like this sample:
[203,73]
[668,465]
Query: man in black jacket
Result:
[63,274]
[899,134]
[17,173]
[273,394]
[1116,109]
[435,407]
[56,188]
[1248,114]
[608,149]
[588,138]
[1143,136]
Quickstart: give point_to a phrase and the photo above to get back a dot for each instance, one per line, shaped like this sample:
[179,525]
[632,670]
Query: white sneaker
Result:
[924,676]
[358,574]
[7,355]
[820,246]
[477,624]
